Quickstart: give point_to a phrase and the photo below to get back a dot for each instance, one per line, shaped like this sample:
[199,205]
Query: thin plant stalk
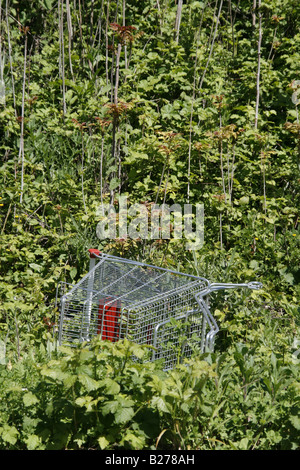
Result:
[221,231]
[7,215]
[192,111]
[212,45]
[161,178]
[258,65]
[263,167]
[70,33]
[101,171]
[10,58]
[254,13]
[21,150]
[2,60]
[82,169]
[117,74]
[230,183]
[124,24]
[106,44]
[17,337]
[178,20]
[222,169]
[62,61]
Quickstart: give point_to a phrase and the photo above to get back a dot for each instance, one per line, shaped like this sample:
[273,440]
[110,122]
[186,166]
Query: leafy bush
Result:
[107,396]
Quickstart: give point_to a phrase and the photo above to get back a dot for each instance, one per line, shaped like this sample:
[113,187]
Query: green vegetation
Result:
[162,101]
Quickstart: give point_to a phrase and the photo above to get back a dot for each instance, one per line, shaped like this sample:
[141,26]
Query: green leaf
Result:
[30,399]
[73,272]
[83,401]
[137,442]
[244,200]
[243,444]
[123,415]
[9,434]
[111,386]
[69,380]
[56,375]
[36,267]
[88,382]
[33,442]
[295,420]
[288,277]
[110,407]
[48,4]
[29,424]
[103,442]
[137,350]
[160,404]
[114,183]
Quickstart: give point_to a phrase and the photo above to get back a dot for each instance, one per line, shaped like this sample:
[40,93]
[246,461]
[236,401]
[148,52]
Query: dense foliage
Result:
[162,101]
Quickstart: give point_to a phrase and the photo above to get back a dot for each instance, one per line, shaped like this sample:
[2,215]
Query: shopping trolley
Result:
[120,298]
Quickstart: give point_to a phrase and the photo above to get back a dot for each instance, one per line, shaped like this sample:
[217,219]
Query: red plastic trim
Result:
[108,317]
[93,252]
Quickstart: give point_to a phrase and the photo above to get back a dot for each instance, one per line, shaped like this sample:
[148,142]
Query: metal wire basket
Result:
[120,298]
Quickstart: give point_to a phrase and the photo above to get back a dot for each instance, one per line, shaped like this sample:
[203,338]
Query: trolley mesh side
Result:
[172,323]
[112,288]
